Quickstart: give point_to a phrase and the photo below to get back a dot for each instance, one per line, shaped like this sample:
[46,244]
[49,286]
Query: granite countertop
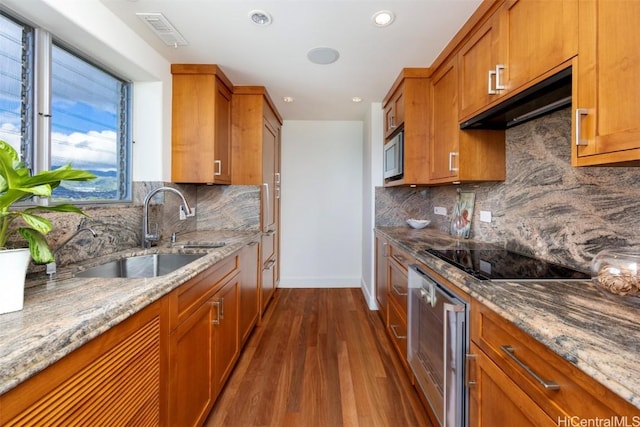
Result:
[61,315]
[595,332]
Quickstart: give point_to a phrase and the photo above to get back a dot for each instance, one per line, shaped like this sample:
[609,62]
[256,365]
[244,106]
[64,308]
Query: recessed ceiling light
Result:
[260,17]
[383,18]
[323,55]
[356,99]
[287,99]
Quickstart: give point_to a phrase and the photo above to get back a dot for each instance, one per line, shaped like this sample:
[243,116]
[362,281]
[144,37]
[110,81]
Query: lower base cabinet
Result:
[163,366]
[112,380]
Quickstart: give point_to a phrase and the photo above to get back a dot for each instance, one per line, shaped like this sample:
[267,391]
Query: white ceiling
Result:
[275,56]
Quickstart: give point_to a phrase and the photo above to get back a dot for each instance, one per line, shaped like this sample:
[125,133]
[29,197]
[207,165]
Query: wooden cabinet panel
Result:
[456,155]
[557,387]
[496,61]
[408,98]
[114,379]
[382,277]
[494,400]
[192,385]
[607,84]
[249,290]
[225,320]
[394,112]
[398,332]
[200,125]
[268,283]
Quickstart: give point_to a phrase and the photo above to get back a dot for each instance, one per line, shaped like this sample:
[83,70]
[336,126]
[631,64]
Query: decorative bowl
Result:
[617,271]
[418,223]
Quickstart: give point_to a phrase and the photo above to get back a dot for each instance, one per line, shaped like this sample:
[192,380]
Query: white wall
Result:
[372,177]
[91,28]
[321,208]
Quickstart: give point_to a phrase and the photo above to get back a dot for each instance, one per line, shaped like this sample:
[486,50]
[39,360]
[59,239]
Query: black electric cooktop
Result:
[501,264]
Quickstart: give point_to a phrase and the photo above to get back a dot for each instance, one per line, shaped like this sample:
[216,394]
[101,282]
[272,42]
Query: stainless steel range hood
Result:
[549,95]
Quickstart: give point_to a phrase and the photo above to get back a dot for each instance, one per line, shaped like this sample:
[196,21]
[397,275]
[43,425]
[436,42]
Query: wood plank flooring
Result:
[320,358]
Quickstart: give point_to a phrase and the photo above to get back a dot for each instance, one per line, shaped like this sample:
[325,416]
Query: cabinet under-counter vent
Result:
[545,97]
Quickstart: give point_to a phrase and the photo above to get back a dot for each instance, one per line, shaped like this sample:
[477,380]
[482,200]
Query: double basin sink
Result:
[151,265]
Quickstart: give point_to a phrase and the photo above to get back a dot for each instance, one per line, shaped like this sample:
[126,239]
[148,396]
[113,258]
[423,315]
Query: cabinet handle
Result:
[397,292]
[468,359]
[392,125]
[579,113]
[222,308]
[548,385]
[218,165]
[277,177]
[216,321]
[499,85]
[395,333]
[270,264]
[452,154]
[385,250]
[490,89]
[267,207]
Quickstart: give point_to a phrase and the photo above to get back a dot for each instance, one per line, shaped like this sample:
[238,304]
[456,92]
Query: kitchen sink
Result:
[140,266]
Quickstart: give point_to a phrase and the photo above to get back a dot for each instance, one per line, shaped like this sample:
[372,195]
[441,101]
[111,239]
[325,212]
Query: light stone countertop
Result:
[61,315]
[598,334]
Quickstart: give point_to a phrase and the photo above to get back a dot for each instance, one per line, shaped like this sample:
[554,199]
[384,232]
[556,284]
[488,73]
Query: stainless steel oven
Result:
[438,342]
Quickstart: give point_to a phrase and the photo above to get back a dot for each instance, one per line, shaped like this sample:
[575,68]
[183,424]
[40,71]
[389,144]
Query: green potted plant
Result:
[16,185]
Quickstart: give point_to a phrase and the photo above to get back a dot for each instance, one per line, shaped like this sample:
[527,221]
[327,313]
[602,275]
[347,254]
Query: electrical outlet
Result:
[485,216]
[184,215]
[439,210]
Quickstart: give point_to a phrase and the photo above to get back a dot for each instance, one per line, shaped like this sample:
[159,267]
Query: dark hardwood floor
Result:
[320,358]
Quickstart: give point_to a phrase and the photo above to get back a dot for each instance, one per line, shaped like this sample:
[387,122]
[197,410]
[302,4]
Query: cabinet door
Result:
[222,150]
[225,321]
[249,288]
[444,150]
[544,30]
[269,189]
[495,400]
[267,283]
[382,277]
[477,61]
[608,84]
[394,112]
[192,368]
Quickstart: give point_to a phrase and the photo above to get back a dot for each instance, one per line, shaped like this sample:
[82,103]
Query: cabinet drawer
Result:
[398,331]
[398,288]
[402,258]
[197,290]
[558,387]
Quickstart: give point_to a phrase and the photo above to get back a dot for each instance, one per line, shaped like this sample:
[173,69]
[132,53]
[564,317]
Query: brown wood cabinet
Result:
[605,99]
[382,277]
[249,290]
[256,158]
[114,379]
[456,155]
[497,60]
[204,340]
[408,98]
[200,124]
[514,377]
[394,112]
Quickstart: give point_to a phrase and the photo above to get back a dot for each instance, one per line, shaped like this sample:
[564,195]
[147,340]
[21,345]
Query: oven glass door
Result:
[436,347]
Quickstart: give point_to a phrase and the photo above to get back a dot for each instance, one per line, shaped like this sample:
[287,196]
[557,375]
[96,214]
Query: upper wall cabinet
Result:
[606,119]
[200,124]
[522,42]
[456,155]
[406,108]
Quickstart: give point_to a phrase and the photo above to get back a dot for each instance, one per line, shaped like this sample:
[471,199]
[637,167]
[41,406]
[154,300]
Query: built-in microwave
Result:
[394,157]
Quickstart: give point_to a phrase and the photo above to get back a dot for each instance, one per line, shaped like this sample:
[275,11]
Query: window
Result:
[83,114]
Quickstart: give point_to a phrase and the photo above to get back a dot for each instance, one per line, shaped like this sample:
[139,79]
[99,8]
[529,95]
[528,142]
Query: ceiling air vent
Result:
[160,25]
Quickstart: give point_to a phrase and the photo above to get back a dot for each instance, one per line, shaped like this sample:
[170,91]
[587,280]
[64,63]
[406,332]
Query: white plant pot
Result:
[13,265]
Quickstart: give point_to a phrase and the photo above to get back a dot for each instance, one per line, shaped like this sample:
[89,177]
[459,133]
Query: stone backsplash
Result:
[545,207]
[118,227]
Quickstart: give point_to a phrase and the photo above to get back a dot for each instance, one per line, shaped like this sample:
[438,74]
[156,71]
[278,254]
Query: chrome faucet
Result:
[147,237]
[52,267]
